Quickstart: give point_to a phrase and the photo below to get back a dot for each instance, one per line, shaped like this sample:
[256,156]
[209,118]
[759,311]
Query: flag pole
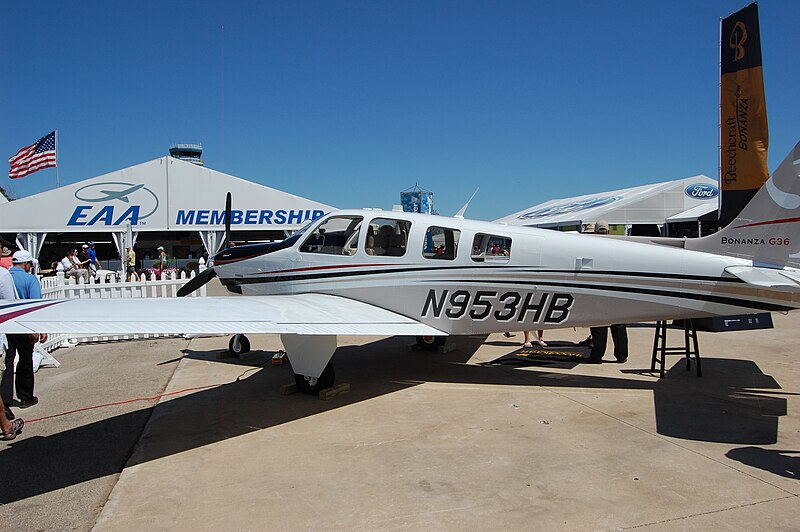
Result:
[57,185]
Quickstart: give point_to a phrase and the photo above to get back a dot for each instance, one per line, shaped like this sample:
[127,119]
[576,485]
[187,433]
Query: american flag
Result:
[40,154]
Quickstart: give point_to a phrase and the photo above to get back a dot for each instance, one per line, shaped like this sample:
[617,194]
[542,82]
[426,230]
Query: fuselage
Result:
[465,276]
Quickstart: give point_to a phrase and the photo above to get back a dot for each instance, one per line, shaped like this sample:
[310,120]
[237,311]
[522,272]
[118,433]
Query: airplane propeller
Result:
[228,220]
[206,275]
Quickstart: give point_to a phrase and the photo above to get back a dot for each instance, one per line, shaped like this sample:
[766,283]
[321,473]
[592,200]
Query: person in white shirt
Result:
[9,427]
[73,267]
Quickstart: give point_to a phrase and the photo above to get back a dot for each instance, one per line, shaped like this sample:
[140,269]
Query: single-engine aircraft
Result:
[373,272]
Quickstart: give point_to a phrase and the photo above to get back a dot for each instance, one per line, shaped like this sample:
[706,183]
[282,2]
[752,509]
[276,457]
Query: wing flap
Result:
[308,314]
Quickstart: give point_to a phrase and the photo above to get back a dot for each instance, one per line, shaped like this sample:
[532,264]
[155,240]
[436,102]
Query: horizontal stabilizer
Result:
[767,277]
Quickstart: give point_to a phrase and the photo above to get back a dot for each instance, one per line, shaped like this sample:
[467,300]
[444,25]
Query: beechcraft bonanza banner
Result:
[744,136]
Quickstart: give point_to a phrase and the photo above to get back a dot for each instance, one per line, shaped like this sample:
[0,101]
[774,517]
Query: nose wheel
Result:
[239,344]
[313,385]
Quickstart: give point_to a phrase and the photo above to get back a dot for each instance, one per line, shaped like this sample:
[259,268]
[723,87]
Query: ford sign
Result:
[702,191]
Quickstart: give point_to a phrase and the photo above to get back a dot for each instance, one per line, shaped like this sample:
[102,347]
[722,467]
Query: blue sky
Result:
[348,103]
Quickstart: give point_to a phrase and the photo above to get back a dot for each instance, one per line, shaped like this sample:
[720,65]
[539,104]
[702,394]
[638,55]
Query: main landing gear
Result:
[239,344]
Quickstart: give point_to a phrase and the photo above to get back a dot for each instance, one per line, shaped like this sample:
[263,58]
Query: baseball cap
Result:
[601,226]
[22,256]
[91,242]
[160,248]
[85,246]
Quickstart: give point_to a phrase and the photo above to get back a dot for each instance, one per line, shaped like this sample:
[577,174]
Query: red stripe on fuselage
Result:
[770,222]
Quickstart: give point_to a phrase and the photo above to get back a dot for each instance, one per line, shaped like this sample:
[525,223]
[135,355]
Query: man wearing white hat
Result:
[28,287]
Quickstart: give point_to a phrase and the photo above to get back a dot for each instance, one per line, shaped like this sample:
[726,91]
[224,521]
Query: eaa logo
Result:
[563,208]
[702,191]
[113,203]
[737,39]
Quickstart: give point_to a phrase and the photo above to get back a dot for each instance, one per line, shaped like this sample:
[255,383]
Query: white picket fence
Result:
[112,285]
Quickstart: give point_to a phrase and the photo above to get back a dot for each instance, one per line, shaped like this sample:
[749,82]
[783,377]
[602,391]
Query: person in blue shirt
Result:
[28,287]
[92,254]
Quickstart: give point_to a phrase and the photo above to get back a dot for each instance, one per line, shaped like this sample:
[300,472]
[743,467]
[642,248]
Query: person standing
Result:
[619,332]
[94,265]
[130,263]
[7,291]
[163,260]
[27,287]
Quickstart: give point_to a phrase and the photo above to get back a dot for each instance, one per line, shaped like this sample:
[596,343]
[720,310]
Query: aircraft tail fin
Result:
[768,228]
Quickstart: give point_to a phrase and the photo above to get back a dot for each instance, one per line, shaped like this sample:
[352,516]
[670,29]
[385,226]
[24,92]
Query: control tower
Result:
[188,152]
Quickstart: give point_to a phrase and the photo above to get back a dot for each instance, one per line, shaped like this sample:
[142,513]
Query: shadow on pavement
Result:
[721,407]
[776,461]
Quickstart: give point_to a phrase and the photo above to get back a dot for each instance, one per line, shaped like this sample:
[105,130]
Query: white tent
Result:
[164,194]
[646,204]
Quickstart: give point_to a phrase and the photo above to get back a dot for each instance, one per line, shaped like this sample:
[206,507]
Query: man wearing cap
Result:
[28,287]
[619,333]
[92,255]
[5,257]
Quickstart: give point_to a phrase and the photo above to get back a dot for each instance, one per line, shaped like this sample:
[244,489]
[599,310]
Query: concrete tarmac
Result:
[459,440]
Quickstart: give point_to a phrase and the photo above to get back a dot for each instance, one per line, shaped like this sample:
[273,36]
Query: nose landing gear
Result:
[313,385]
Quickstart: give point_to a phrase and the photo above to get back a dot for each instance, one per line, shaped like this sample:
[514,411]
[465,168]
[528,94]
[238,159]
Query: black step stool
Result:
[689,348]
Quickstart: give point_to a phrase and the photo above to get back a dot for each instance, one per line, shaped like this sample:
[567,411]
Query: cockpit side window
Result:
[491,248]
[440,243]
[338,235]
[387,237]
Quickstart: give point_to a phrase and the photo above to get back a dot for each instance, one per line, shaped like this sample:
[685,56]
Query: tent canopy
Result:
[646,204]
[164,194]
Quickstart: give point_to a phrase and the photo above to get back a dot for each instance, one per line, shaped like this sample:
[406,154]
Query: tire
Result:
[325,380]
[239,344]
[431,343]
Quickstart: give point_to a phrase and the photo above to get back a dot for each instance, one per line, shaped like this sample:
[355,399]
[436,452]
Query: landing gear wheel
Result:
[239,344]
[311,385]
[431,343]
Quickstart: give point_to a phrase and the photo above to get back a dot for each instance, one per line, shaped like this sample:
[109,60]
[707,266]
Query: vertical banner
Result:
[744,136]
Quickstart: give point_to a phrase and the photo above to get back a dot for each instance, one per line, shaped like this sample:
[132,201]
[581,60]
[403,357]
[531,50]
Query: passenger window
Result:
[338,235]
[387,237]
[491,248]
[440,243]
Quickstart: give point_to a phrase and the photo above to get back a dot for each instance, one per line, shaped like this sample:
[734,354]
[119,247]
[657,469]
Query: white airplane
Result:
[373,272]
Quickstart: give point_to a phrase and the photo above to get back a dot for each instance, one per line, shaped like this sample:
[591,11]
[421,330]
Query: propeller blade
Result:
[228,220]
[196,282]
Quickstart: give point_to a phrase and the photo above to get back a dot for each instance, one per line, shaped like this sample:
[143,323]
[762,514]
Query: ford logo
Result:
[702,191]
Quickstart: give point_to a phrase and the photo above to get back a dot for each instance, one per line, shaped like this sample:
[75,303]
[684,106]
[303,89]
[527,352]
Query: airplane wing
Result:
[307,314]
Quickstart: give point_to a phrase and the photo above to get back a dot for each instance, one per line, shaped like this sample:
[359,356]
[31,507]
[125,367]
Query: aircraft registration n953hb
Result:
[373,272]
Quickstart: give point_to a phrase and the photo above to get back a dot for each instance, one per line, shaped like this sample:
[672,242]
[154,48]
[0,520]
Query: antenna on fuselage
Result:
[462,210]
